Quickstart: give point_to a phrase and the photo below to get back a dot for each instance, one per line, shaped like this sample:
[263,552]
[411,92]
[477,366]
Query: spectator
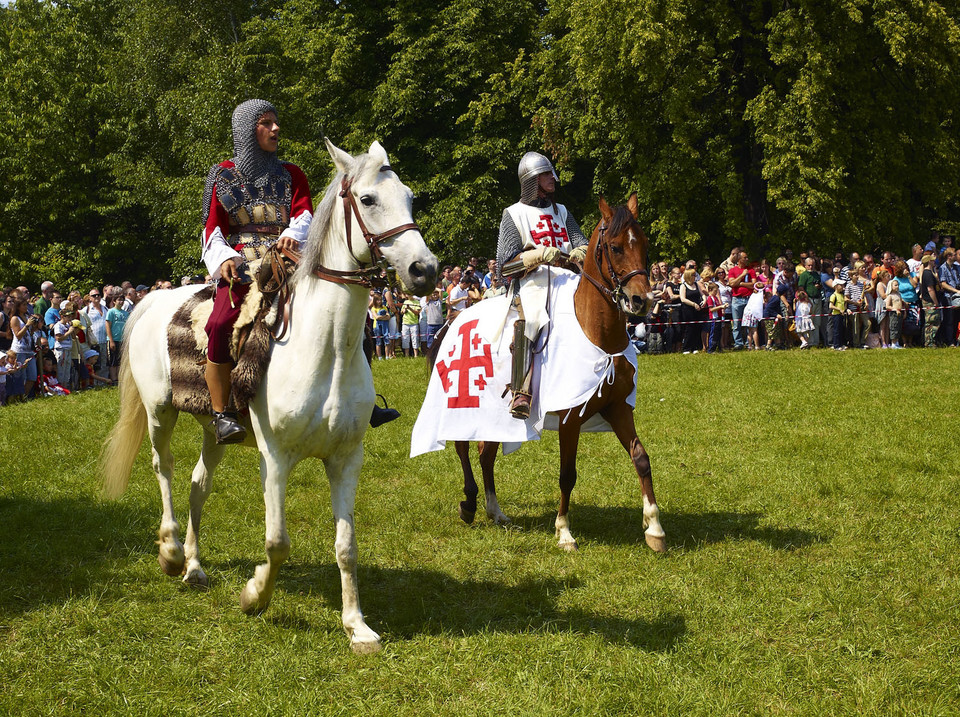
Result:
[64,331]
[805,327]
[23,344]
[715,309]
[116,320]
[410,337]
[726,299]
[856,324]
[433,309]
[914,262]
[881,281]
[380,318]
[742,280]
[43,303]
[495,288]
[773,319]
[96,313]
[6,333]
[929,286]
[838,308]
[895,310]
[692,311]
[52,315]
[950,284]
[459,294]
[907,289]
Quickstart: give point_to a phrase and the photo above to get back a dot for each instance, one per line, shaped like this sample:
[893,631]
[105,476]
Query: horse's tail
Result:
[123,443]
[434,350]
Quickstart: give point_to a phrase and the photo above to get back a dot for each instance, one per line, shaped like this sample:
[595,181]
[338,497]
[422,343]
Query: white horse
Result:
[317,392]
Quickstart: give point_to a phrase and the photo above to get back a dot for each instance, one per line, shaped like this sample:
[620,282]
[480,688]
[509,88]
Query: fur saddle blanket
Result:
[187,348]
[465,398]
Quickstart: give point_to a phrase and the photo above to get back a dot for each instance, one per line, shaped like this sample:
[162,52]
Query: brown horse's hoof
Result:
[657,544]
[467,516]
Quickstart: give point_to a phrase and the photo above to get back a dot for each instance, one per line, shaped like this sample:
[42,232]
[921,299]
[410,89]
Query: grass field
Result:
[811,507]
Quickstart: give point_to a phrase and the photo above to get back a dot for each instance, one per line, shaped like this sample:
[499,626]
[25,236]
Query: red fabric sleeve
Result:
[300,189]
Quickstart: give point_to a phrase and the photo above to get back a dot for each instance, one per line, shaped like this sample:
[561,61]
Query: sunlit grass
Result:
[810,503]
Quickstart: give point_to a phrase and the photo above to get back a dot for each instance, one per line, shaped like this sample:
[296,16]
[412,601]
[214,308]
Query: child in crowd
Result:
[381,322]
[715,309]
[838,308]
[90,357]
[64,332]
[894,305]
[8,366]
[803,319]
[772,321]
[48,378]
[116,319]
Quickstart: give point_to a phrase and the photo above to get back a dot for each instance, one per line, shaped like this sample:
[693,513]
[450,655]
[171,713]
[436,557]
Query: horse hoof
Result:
[196,579]
[500,519]
[658,544]
[366,647]
[467,516]
[248,600]
[570,546]
[172,567]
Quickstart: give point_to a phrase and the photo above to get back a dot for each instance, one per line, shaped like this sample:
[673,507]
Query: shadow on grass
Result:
[52,550]
[611,525]
[407,603]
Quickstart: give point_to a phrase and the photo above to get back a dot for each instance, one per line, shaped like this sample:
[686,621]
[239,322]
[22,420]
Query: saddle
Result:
[249,347]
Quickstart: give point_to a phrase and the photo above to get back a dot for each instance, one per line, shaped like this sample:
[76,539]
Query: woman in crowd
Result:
[670,313]
[24,328]
[854,293]
[880,308]
[692,310]
[907,286]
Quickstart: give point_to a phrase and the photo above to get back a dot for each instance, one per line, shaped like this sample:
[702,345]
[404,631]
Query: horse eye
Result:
[616,249]
[367,200]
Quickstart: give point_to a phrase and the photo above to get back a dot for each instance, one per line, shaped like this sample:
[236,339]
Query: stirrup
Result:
[383,415]
[520,406]
[227,428]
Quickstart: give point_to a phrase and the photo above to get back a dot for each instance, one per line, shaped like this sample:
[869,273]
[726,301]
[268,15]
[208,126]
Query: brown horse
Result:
[614,283]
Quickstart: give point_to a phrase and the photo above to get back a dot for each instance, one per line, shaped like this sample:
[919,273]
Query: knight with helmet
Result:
[534,233]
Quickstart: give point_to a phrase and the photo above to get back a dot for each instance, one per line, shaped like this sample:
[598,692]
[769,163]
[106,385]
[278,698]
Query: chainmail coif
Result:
[252,161]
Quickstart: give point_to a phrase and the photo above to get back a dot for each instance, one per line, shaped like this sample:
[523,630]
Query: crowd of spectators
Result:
[842,302]
[55,343]
[402,321]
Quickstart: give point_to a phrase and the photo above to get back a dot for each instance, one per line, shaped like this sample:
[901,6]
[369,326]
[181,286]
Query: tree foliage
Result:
[793,123]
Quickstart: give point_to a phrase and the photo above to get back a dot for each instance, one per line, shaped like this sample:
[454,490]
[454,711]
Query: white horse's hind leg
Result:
[161,424]
[210,456]
[343,477]
[256,595]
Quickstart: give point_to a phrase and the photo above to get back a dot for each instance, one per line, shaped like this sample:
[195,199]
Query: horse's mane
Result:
[322,216]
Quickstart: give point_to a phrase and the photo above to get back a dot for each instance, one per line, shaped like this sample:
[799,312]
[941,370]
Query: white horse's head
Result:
[383,203]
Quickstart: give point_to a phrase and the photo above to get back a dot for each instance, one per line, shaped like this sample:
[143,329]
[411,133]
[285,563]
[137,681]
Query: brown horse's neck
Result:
[602,322]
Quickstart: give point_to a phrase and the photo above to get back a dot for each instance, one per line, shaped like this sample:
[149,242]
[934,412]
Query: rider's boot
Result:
[520,372]
[383,415]
[225,424]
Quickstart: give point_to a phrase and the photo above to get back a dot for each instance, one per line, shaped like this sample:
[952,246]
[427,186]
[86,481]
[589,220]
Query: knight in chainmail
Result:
[534,233]
[250,203]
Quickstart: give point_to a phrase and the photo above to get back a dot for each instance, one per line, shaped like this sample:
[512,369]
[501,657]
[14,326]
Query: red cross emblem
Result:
[474,354]
[549,230]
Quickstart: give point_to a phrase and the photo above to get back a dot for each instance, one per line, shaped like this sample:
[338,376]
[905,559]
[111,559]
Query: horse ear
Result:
[605,209]
[377,150]
[632,205]
[342,160]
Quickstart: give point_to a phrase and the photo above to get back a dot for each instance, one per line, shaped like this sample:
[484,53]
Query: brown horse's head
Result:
[619,248]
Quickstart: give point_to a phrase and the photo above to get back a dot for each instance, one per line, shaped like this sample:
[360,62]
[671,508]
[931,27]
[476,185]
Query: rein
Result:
[371,275]
[614,293]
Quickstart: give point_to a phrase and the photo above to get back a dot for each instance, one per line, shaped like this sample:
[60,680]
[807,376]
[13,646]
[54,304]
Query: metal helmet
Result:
[532,165]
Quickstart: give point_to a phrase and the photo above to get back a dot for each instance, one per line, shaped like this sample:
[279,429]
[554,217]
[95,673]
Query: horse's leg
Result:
[620,418]
[256,595]
[569,439]
[343,473]
[210,456]
[160,425]
[468,507]
[488,458]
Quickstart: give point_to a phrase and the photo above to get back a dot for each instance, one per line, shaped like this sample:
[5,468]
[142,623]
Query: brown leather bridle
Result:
[614,293]
[371,275]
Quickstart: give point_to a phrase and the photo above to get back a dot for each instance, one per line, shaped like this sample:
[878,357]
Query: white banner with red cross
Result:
[465,398]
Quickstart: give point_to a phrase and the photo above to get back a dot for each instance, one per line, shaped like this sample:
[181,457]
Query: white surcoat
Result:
[539,227]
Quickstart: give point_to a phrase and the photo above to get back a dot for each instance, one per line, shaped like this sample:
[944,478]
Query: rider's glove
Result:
[578,254]
[541,255]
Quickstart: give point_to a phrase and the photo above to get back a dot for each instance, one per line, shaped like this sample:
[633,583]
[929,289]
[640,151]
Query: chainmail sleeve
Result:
[509,243]
[575,232]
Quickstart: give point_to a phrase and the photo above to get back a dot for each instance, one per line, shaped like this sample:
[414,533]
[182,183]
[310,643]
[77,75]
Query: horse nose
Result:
[424,275]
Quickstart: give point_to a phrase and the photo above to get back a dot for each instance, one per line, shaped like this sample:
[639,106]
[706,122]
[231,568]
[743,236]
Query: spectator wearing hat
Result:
[91,357]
